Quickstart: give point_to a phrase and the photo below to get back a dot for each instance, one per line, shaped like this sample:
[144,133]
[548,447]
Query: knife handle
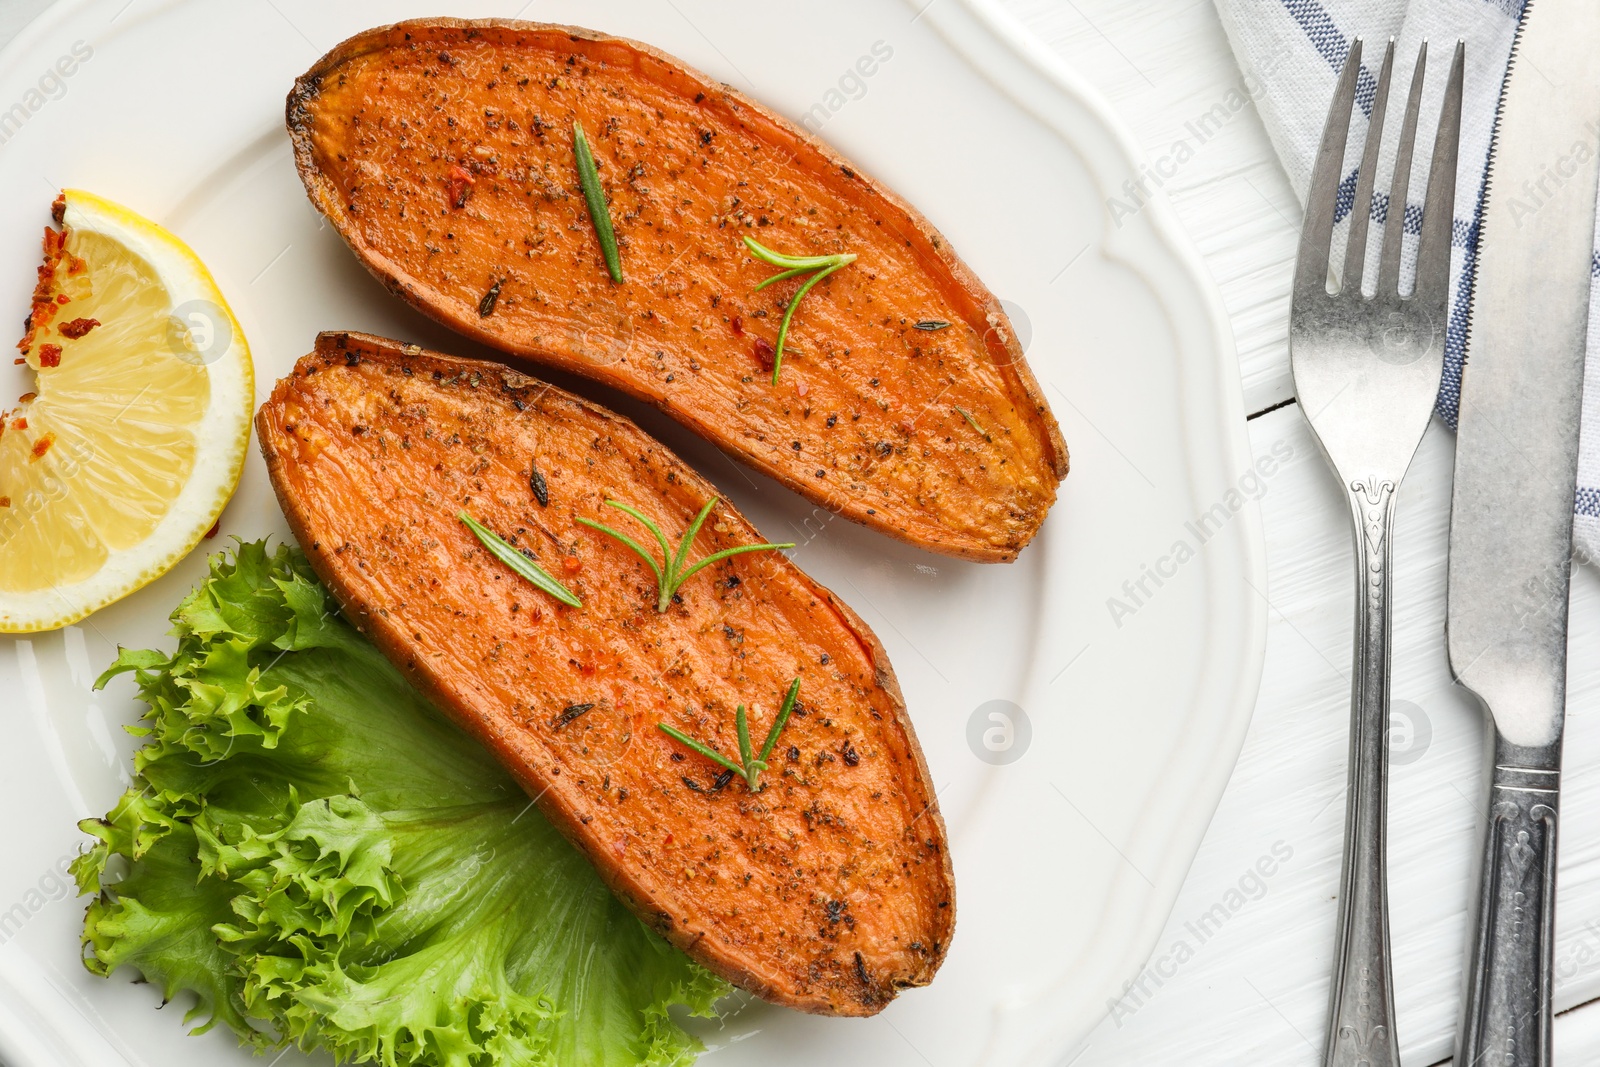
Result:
[1361,1030]
[1509,981]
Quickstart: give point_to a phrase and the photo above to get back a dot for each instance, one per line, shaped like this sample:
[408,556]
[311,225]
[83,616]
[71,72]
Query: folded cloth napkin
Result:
[1294,51]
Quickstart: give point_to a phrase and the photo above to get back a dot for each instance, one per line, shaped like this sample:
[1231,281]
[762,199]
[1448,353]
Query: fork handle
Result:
[1361,1031]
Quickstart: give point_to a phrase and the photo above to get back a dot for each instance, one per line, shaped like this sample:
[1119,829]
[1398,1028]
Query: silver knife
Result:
[1511,516]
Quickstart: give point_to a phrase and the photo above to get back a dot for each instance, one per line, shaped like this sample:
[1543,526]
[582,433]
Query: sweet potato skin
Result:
[441,150]
[827,891]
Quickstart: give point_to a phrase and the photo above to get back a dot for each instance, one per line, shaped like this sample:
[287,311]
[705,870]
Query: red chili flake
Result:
[571,564]
[25,397]
[214,528]
[42,445]
[76,265]
[77,328]
[19,424]
[737,325]
[44,304]
[800,387]
[460,186]
[58,208]
[764,354]
[5,502]
[62,298]
[49,356]
[20,360]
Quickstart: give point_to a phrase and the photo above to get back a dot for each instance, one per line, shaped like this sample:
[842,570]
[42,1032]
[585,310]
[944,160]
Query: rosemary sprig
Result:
[595,197]
[749,765]
[793,267]
[972,422]
[527,568]
[670,572]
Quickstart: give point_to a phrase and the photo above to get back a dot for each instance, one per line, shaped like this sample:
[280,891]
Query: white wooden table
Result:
[1241,974]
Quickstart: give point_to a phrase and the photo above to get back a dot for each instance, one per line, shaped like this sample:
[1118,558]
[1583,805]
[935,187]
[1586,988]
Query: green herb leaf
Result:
[595,197]
[705,750]
[781,721]
[741,726]
[932,324]
[670,572]
[972,422]
[750,765]
[524,566]
[793,267]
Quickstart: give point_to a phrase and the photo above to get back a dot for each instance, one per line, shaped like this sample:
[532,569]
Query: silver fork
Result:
[1366,372]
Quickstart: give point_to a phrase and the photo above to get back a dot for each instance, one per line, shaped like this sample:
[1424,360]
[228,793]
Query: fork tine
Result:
[1355,252]
[1438,211]
[1316,234]
[1394,223]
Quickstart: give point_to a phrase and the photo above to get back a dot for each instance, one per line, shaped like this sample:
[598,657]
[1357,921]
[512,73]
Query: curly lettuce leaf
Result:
[321,859]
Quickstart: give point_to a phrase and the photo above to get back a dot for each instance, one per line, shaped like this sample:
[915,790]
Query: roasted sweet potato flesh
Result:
[443,153]
[830,888]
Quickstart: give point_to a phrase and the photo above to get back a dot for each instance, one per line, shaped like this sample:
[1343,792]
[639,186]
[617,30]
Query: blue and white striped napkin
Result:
[1295,49]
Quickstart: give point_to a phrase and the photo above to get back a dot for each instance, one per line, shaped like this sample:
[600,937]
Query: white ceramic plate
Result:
[1069,856]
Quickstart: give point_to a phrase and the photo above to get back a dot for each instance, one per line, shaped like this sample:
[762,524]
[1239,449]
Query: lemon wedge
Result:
[124,455]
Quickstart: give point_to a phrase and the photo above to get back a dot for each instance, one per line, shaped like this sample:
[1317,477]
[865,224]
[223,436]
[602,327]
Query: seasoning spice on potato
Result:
[825,885]
[443,152]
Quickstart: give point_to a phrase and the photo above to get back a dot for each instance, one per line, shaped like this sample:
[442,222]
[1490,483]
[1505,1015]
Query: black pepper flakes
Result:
[492,297]
[569,713]
[536,482]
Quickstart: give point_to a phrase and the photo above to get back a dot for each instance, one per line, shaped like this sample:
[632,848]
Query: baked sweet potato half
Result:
[829,888]
[443,152]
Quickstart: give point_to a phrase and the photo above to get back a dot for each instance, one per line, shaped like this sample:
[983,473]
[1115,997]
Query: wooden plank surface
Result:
[1242,972]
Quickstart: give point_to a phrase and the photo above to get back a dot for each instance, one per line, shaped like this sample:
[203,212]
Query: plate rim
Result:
[1157,248]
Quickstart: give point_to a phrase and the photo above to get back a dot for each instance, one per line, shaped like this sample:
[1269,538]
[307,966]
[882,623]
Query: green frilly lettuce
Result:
[321,859]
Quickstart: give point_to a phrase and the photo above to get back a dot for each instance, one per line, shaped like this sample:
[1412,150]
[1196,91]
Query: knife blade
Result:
[1511,512]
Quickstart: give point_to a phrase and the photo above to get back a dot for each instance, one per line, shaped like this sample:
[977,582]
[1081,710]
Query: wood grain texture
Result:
[1241,975]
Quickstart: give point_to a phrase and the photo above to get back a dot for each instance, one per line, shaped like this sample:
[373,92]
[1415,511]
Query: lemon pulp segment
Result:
[122,457]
